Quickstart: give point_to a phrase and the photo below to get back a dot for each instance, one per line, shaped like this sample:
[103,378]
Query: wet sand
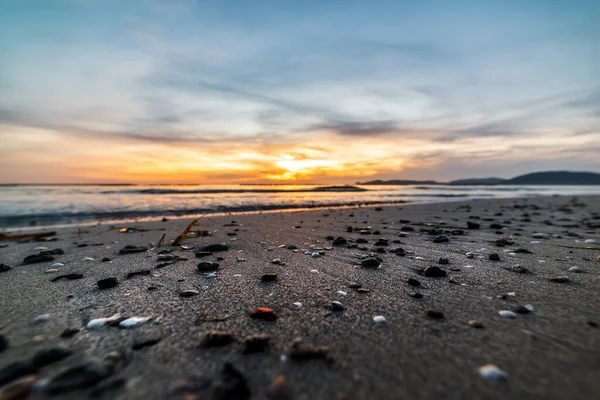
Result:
[551,353]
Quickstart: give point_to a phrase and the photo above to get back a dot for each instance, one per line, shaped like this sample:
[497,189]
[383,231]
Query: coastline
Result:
[547,354]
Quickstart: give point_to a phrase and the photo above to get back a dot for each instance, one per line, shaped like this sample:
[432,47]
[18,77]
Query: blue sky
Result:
[447,88]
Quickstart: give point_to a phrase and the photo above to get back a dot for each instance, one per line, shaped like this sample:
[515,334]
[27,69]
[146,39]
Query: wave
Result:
[481,188]
[224,191]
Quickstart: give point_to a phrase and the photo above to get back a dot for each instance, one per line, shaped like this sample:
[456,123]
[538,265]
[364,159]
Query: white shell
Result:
[211,275]
[50,270]
[314,271]
[341,293]
[100,322]
[315,254]
[40,248]
[297,304]
[576,269]
[88,259]
[507,314]
[490,372]
[379,319]
[56,265]
[535,242]
[133,321]
[470,255]
[590,241]
[42,318]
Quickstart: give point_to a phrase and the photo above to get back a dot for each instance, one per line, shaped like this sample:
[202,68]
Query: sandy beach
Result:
[423,348]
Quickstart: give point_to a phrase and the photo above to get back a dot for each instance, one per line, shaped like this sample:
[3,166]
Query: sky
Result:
[190,91]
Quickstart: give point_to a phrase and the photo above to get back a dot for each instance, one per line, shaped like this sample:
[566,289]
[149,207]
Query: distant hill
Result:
[478,181]
[534,178]
[555,178]
[398,182]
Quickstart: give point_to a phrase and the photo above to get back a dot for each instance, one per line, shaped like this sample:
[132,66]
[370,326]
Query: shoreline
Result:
[427,349]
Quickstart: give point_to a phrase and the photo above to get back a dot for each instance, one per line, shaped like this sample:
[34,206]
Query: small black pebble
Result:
[444,261]
[494,257]
[106,259]
[416,295]
[435,314]
[69,332]
[413,282]
[107,283]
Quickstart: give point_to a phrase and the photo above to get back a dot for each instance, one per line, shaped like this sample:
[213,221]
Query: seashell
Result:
[535,242]
[212,275]
[341,293]
[576,269]
[297,304]
[100,322]
[315,254]
[42,318]
[379,319]
[490,372]
[40,248]
[589,241]
[337,306]
[87,259]
[51,270]
[133,321]
[56,265]
[507,314]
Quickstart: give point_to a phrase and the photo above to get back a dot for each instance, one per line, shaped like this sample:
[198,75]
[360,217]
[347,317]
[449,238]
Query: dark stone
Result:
[339,241]
[207,266]
[523,310]
[69,332]
[413,282]
[337,306]
[81,376]
[51,355]
[256,343]
[494,257]
[496,226]
[69,277]
[523,251]
[264,313]
[399,252]
[232,385]
[355,286]
[416,295]
[473,225]
[43,256]
[16,370]
[133,249]
[107,283]
[380,250]
[435,314]
[329,238]
[291,247]
[441,239]
[140,272]
[106,388]
[139,344]
[362,240]
[189,293]
[193,388]
[435,272]
[3,343]
[106,259]
[370,263]
[407,229]
[362,290]
[215,247]
[593,324]
[5,268]
[270,277]
[203,254]
[444,261]
[382,242]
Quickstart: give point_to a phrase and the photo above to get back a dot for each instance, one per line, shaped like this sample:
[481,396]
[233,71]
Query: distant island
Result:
[534,178]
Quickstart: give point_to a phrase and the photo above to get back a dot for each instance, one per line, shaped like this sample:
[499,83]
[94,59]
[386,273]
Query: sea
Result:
[34,206]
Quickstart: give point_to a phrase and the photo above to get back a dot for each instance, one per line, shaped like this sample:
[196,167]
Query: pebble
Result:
[526,309]
[370,263]
[187,246]
[106,259]
[519,269]
[339,241]
[535,242]
[136,273]
[413,282]
[490,372]
[276,261]
[337,306]
[98,323]
[341,293]
[473,323]
[441,239]
[362,290]
[50,355]
[444,261]
[470,255]
[44,256]
[264,313]
[215,247]
[590,241]
[561,279]
[16,370]
[81,376]
[434,272]
[107,283]
[507,314]
[315,254]
[297,304]
[133,249]
[379,319]
[217,338]
[69,277]
[19,389]
[5,268]
[540,236]
[256,343]
[416,295]
[42,318]
[207,266]
[51,270]
[56,265]
[189,293]
[3,343]
[354,285]
[522,251]
[87,259]
[211,275]
[270,277]
[435,314]
[494,257]
[473,225]
[134,321]
[576,269]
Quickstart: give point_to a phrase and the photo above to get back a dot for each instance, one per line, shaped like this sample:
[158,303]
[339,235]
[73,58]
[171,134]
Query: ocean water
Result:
[23,206]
